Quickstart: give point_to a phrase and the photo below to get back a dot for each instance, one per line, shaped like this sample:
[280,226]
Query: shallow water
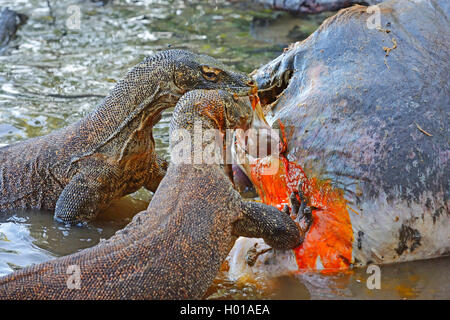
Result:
[48,58]
[426,279]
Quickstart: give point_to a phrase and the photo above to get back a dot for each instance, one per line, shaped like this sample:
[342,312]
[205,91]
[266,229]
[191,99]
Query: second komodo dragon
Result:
[174,249]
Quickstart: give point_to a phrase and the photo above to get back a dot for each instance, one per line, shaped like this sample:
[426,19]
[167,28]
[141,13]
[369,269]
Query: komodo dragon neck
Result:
[133,106]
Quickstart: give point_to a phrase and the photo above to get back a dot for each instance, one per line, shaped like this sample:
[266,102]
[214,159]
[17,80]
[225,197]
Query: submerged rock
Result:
[10,21]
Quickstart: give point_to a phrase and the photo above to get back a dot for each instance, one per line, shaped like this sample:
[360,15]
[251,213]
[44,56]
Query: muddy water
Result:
[48,58]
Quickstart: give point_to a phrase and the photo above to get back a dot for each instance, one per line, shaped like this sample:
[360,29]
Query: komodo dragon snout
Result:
[78,170]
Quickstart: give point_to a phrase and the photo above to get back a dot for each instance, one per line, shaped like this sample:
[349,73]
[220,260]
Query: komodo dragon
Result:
[174,249]
[78,170]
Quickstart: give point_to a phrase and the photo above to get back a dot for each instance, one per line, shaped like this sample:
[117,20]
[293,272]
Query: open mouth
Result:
[256,143]
[238,146]
[270,95]
[262,101]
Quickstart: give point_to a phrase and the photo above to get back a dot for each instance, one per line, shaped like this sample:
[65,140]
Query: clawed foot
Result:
[300,211]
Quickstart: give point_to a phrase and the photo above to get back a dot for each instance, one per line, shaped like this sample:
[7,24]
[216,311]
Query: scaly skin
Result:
[78,170]
[174,249]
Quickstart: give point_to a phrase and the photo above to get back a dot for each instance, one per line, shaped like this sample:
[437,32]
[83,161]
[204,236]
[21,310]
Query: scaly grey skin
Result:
[174,249]
[78,170]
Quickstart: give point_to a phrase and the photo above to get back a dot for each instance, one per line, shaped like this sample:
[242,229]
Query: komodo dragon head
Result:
[162,78]
[194,71]
[217,109]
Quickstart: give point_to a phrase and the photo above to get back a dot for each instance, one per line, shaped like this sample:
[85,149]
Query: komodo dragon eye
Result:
[210,74]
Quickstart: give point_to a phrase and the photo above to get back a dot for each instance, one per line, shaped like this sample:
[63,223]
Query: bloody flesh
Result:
[328,243]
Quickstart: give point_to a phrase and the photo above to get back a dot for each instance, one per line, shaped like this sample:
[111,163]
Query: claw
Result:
[307,218]
[303,205]
[302,213]
[295,205]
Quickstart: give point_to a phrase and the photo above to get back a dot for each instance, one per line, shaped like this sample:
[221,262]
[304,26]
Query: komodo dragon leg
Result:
[87,193]
[263,221]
